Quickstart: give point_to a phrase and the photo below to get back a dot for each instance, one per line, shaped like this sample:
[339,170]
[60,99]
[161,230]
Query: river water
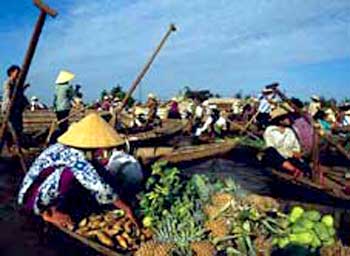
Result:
[20,235]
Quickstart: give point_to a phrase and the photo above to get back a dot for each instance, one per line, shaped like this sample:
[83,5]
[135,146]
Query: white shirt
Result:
[199,112]
[221,123]
[205,127]
[286,143]
[346,121]
[264,106]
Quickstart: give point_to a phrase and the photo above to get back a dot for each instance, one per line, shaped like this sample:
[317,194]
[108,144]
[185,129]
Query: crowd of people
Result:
[88,158]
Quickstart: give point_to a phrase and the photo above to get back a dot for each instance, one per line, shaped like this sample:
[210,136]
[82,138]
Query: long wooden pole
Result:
[143,72]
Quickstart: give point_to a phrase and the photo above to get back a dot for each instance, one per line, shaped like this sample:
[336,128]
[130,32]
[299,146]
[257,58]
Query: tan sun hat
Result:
[278,112]
[281,110]
[92,132]
[64,77]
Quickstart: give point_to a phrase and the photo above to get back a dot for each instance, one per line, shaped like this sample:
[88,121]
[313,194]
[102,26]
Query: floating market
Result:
[190,173]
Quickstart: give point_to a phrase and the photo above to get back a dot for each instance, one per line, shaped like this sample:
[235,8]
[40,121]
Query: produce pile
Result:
[308,229]
[114,230]
[200,215]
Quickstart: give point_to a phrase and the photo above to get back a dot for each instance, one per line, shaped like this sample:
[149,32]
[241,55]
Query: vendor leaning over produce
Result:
[283,150]
[71,173]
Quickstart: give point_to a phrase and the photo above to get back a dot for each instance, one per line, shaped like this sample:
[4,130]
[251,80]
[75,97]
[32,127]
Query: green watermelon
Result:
[312,215]
[295,214]
[322,231]
[328,220]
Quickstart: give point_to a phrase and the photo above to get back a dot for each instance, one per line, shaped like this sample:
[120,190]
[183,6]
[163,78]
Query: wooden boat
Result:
[183,155]
[169,128]
[103,250]
[331,182]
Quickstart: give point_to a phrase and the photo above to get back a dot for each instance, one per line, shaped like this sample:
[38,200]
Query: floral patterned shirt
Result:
[61,157]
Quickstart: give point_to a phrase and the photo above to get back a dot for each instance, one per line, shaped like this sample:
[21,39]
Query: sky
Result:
[226,46]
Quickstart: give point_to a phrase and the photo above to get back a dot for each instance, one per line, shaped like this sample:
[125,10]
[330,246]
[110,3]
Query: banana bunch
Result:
[308,229]
[113,230]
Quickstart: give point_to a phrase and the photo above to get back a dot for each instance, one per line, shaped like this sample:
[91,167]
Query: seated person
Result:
[174,112]
[220,126]
[283,150]
[68,177]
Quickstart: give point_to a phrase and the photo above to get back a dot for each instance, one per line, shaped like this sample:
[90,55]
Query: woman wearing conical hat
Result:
[71,174]
[63,97]
[283,150]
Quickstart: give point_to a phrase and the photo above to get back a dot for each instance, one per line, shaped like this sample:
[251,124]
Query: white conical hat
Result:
[315,98]
[64,77]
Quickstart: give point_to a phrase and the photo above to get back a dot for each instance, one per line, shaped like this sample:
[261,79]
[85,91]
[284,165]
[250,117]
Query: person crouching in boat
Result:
[283,150]
[67,179]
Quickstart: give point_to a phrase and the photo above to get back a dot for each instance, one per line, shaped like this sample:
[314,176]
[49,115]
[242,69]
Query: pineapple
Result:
[211,211]
[219,228]
[262,203]
[163,249]
[147,249]
[153,248]
[220,200]
[203,248]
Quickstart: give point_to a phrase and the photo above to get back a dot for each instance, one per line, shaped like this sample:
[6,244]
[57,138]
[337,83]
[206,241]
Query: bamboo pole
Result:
[143,72]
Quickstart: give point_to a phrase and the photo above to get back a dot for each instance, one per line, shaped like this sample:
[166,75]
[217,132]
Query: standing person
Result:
[20,101]
[63,98]
[265,107]
[315,105]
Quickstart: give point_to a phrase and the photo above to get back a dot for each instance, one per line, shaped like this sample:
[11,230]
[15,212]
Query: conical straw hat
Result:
[64,77]
[278,112]
[91,132]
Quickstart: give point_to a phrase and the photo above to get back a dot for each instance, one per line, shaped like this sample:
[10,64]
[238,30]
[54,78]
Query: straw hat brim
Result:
[92,132]
[278,112]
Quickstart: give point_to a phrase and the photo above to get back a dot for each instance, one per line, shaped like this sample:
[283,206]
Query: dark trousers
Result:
[275,160]
[263,120]
[63,127]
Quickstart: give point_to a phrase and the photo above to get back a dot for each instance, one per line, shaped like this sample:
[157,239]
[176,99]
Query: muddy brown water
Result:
[20,235]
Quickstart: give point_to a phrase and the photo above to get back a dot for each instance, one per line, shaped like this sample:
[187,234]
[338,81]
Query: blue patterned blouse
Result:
[61,157]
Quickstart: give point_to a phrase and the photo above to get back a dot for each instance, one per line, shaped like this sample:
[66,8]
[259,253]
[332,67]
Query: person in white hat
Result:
[265,107]
[211,116]
[63,97]
[35,104]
